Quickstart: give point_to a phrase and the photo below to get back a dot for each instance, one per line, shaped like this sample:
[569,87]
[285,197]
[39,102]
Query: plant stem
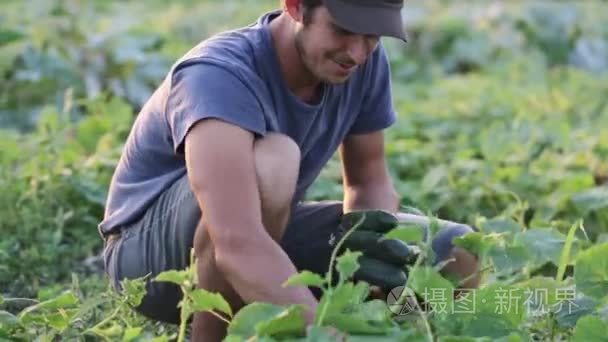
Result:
[219,316]
[563,260]
[427,326]
[184,316]
[321,316]
[107,319]
[21,300]
[332,261]
[419,260]
[403,296]
[471,276]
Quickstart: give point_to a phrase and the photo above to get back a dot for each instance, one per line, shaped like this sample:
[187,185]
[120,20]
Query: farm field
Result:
[503,121]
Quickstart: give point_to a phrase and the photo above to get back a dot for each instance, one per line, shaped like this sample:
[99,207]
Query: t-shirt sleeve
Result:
[377,111]
[206,90]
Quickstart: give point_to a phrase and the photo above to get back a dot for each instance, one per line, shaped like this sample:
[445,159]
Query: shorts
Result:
[162,239]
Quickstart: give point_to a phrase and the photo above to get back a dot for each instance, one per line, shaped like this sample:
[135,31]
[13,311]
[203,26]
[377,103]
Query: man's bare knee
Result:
[277,161]
[464,265]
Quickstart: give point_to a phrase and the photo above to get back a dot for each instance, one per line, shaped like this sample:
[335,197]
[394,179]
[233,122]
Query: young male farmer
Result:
[239,129]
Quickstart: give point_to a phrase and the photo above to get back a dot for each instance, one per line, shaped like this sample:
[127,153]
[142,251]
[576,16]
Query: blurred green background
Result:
[502,112]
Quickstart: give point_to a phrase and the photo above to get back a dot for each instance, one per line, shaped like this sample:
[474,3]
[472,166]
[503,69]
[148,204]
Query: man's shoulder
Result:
[237,50]
[236,45]
[378,61]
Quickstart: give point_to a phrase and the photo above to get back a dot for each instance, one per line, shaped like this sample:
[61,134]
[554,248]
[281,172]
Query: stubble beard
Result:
[306,61]
[299,44]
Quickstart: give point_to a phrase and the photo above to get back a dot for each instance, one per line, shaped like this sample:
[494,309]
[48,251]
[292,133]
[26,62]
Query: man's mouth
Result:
[345,66]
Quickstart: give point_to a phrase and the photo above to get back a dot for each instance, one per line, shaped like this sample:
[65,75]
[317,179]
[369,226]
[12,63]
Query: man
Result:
[221,155]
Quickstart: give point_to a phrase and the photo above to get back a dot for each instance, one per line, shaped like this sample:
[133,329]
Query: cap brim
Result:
[381,21]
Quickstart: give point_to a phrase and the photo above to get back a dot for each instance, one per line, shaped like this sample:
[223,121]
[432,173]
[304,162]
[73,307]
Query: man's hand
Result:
[383,263]
[385,254]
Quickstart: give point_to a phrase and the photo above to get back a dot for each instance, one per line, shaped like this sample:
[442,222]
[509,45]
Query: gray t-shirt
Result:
[235,76]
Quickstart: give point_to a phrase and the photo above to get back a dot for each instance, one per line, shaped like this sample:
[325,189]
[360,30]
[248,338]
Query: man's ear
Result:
[295,10]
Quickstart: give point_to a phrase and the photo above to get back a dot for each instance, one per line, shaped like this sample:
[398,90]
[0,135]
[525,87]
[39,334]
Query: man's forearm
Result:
[258,268]
[371,196]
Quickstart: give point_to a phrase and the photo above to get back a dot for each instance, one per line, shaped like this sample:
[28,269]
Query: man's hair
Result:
[309,6]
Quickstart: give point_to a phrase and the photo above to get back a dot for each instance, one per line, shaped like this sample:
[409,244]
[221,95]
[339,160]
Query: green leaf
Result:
[590,329]
[544,245]
[9,36]
[111,332]
[342,297]
[174,276]
[305,278]
[540,294]
[407,234]
[7,319]
[603,312]
[463,339]
[134,289]
[131,334]
[511,338]
[63,301]
[497,311]
[591,271]
[477,243]
[501,225]
[370,317]
[514,337]
[432,288]
[245,321]
[289,322]
[508,258]
[568,312]
[319,334]
[472,242]
[423,279]
[60,320]
[203,300]
[347,264]
[163,338]
[591,200]
[404,334]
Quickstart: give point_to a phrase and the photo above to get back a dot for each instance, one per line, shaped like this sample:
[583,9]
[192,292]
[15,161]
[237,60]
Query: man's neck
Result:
[299,80]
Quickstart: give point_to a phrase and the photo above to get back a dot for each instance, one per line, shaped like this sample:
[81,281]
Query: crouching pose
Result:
[220,157]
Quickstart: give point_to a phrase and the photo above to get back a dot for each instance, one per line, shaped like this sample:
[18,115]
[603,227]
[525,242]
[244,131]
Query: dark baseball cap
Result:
[377,17]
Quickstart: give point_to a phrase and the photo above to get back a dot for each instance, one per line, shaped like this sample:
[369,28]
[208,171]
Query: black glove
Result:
[383,261]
